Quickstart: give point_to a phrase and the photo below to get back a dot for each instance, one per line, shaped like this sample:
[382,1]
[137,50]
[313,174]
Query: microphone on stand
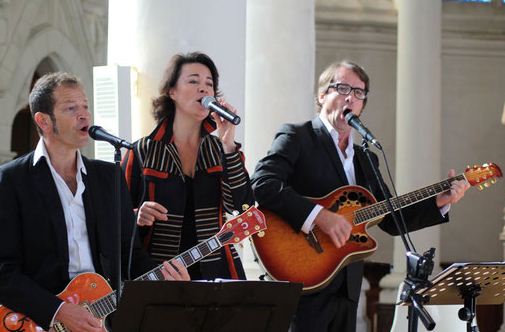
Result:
[354,121]
[212,105]
[99,134]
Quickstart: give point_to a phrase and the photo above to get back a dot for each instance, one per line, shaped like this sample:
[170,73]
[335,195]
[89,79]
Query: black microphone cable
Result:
[143,181]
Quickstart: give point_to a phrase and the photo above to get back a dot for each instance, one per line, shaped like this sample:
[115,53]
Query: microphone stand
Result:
[418,267]
[99,134]
[117,216]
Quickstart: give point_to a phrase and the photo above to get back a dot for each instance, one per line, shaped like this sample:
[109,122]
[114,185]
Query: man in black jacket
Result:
[313,159]
[56,213]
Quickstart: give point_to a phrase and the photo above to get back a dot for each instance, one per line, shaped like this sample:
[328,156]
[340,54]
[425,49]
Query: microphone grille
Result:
[348,114]
[92,130]
[207,100]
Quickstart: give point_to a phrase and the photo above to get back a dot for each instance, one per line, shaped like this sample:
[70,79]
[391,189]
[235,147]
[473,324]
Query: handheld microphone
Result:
[354,121]
[99,134]
[212,105]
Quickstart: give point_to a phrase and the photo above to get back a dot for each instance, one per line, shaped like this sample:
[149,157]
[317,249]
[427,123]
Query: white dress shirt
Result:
[79,251]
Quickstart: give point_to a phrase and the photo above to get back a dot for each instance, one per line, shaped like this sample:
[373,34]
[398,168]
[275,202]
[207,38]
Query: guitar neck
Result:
[107,304]
[382,208]
[187,258]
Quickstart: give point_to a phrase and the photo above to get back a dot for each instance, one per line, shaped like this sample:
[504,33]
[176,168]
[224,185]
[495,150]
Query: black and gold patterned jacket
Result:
[221,184]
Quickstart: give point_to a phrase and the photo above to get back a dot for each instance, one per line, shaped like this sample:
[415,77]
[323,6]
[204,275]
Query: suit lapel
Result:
[44,184]
[325,139]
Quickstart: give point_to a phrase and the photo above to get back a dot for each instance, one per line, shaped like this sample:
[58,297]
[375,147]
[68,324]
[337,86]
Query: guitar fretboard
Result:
[107,304]
[381,209]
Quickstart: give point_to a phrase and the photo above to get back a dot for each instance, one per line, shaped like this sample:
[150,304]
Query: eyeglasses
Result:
[345,89]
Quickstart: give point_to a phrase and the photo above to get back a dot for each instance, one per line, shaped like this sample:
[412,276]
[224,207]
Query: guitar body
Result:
[288,255]
[83,289]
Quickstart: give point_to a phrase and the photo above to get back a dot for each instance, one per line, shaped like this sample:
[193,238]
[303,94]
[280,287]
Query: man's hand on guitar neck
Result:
[335,225]
[458,189]
[76,318]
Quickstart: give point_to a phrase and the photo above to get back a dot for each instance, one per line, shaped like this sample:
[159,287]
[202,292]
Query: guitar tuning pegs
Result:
[493,181]
[487,184]
[261,234]
[245,207]
[480,187]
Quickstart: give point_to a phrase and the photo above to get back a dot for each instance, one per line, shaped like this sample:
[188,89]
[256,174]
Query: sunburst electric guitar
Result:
[95,294]
[313,259]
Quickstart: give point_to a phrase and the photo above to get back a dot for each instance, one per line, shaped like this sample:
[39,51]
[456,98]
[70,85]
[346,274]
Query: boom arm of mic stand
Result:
[118,218]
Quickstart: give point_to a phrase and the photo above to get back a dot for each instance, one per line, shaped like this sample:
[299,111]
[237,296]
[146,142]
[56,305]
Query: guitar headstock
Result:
[250,222]
[483,176]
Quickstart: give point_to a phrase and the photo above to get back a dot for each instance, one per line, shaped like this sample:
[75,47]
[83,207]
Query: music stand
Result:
[206,306]
[468,284]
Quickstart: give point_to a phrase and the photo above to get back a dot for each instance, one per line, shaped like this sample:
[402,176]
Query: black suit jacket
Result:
[303,161]
[33,236]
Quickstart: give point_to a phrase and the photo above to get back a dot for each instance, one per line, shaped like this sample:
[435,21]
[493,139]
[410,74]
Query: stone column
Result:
[418,116]
[280,52]
[279,69]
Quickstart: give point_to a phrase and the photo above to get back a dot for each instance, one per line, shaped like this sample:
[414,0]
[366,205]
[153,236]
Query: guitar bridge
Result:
[314,242]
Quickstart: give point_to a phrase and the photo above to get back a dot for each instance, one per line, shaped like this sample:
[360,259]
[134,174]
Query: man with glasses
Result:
[315,158]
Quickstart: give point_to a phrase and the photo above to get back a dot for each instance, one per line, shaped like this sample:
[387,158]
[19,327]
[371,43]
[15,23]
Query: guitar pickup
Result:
[314,242]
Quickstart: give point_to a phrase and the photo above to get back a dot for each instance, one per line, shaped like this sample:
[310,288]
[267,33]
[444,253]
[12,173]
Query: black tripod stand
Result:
[419,269]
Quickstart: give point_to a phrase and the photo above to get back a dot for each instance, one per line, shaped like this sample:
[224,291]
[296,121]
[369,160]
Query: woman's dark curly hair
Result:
[163,105]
